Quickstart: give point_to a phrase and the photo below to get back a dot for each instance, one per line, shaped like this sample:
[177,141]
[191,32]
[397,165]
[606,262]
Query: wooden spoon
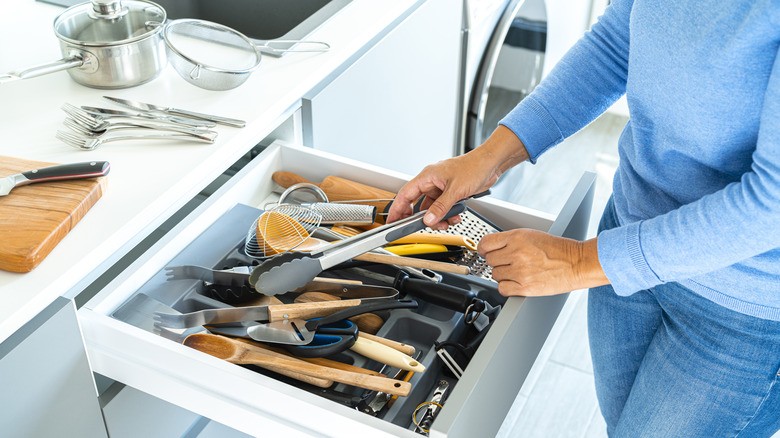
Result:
[239,353]
[316,381]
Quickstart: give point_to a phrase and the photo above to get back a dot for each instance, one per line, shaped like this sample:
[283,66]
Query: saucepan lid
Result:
[109,22]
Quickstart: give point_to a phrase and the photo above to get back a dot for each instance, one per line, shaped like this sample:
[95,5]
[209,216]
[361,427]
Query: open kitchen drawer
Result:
[263,405]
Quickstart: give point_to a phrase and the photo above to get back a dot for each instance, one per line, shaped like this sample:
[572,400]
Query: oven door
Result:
[263,405]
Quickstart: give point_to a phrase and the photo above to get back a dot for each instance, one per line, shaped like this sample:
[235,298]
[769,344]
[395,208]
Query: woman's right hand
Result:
[447,182]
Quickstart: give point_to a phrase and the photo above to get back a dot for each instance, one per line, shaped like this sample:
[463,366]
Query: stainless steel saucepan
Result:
[106,44]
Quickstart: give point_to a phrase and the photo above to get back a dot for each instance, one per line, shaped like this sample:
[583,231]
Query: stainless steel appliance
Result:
[504,46]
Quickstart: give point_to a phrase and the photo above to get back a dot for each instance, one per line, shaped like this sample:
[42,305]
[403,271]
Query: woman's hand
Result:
[449,181]
[443,184]
[533,263]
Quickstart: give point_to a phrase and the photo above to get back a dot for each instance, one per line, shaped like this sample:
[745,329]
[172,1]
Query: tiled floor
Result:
[558,399]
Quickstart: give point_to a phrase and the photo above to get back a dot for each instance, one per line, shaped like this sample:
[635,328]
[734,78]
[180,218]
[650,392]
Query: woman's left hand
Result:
[529,262]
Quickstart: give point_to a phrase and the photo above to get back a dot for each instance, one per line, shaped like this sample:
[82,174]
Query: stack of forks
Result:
[88,130]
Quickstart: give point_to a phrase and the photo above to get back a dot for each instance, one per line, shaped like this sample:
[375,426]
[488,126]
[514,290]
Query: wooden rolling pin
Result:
[341,189]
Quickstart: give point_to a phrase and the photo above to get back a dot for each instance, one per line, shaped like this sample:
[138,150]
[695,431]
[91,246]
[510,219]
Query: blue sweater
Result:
[697,190]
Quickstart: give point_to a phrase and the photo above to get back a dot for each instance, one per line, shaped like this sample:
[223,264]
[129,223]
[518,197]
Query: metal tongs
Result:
[291,270]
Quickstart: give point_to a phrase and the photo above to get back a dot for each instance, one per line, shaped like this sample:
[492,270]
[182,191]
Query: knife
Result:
[62,172]
[272,313]
[176,111]
[195,123]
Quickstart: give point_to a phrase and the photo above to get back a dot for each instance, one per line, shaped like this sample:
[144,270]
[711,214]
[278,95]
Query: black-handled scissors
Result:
[329,339]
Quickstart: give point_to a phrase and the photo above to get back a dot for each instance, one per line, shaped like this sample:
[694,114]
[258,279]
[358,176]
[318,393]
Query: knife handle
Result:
[216,119]
[278,312]
[88,169]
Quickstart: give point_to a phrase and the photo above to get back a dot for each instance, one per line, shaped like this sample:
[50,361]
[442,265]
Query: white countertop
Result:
[149,180]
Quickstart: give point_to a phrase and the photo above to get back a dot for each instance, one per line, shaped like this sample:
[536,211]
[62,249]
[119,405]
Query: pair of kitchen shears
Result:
[336,337]
[329,339]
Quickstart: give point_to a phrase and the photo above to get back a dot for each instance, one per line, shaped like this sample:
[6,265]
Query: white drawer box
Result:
[263,406]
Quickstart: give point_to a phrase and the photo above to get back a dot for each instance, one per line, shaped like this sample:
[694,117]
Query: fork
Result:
[90,118]
[97,129]
[90,143]
[236,276]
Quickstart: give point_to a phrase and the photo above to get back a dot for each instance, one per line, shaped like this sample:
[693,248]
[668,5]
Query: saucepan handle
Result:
[43,69]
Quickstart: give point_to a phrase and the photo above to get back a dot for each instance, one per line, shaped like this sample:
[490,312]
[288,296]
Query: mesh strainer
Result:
[280,229]
[216,57]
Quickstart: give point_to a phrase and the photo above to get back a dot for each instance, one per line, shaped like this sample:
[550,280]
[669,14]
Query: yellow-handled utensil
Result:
[416,248]
[437,238]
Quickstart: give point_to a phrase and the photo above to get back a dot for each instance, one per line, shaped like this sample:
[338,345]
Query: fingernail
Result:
[430,218]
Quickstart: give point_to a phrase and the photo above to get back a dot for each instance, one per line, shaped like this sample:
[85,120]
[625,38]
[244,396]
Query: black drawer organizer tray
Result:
[221,247]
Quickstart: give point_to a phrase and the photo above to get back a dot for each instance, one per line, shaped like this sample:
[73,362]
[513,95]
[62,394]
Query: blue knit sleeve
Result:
[741,221]
[589,78]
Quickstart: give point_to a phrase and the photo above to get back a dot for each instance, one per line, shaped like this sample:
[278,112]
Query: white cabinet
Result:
[396,106]
[131,413]
[46,381]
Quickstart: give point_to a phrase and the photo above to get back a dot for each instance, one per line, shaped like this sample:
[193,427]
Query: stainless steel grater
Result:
[343,214]
[473,226]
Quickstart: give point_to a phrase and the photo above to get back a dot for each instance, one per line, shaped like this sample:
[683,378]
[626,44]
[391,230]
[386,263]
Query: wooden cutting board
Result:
[34,218]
